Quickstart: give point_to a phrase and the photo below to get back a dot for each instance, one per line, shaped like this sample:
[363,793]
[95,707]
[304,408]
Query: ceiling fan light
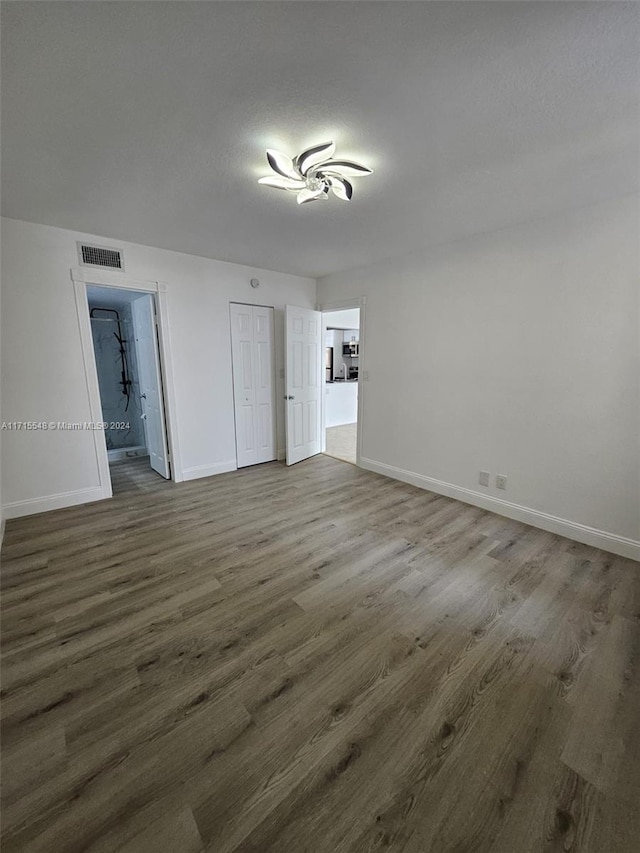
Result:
[282,183]
[311,175]
[314,155]
[341,188]
[281,163]
[306,195]
[346,168]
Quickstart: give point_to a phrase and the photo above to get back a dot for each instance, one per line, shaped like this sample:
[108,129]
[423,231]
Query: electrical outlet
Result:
[501,481]
[483,479]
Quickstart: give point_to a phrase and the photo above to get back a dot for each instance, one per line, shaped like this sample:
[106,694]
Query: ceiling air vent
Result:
[100,256]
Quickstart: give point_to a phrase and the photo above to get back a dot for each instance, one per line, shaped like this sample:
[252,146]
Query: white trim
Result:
[563,527]
[35,505]
[118,454]
[92,387]
[340,305]
[200,471]
[168,384]
[282,454]
[111,278]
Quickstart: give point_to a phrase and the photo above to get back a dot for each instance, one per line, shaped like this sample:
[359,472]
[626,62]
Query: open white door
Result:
[150,383]
[303,382]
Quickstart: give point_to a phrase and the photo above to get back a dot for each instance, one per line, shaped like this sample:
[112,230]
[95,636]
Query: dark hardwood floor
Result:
[313,660]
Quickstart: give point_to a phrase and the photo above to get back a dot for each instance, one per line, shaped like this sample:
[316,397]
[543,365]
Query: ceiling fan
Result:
[313,174]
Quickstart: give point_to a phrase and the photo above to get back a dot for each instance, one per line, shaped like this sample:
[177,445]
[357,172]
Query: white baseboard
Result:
[121,453]
[209,470]
[59,501]
[572,530]
[282,454]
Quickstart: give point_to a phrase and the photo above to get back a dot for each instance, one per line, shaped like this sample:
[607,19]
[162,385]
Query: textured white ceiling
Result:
[148,121]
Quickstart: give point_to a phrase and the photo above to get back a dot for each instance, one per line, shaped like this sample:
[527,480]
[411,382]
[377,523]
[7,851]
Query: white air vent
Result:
[100,256]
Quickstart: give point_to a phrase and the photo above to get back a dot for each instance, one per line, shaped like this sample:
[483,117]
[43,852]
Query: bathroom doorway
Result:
[125,346]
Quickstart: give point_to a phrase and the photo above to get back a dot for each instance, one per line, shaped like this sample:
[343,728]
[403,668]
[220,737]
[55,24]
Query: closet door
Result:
[252,347]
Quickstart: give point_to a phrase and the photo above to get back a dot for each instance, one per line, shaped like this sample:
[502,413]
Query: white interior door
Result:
[303,382]
[150,383]
[252,348]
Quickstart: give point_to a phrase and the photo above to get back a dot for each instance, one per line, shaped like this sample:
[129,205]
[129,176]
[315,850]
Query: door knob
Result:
[289,397]
[143,396]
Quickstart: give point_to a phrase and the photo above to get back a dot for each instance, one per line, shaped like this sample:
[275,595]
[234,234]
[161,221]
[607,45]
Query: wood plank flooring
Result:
[313,660]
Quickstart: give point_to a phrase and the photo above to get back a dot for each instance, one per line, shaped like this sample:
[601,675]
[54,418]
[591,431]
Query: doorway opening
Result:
[125,345]
[341,386]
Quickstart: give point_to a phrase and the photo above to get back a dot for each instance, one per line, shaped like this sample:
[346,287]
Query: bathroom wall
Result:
[116,408]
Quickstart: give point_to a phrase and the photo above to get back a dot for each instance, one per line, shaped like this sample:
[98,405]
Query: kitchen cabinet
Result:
[351,346]
[341,403]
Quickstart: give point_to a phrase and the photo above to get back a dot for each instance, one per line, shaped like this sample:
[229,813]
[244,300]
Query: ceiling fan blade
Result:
[282,183]
[344,168]
[314,155]
[281,164]
[341,188]
[309,195]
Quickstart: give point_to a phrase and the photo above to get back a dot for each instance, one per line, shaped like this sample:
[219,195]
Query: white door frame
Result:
[104,278]
[357,302]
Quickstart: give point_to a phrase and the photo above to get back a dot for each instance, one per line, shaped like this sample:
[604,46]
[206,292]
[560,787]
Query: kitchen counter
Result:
[341,403]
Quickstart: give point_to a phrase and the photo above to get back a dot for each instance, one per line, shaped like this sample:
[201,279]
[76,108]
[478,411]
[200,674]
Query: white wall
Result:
[42,372]
[515,352]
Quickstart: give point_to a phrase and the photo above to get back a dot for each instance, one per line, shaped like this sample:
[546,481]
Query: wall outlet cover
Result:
[483,479]
[501,481]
